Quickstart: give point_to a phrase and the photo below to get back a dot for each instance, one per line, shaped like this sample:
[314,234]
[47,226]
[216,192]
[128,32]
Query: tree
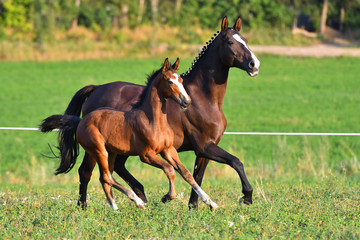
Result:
[323,17]
[346,4]
[141,11]
[75,20]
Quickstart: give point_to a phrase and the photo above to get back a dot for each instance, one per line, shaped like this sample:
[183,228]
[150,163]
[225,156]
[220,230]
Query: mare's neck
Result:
[208,76]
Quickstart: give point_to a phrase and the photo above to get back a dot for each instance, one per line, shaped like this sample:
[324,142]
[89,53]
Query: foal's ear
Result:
[166,65]
[237,25]
[175,66]
[224,24]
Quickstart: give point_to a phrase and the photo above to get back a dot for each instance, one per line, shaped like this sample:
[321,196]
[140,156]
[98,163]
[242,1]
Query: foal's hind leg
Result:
[85,172]
[137,187]
[172,157]
[108,181]
[152,159]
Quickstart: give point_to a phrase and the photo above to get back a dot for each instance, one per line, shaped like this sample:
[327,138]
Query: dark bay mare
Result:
[142,131]
[200,128]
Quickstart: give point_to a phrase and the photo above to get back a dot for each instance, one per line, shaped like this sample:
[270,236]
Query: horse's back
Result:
[104,127]
[117,95]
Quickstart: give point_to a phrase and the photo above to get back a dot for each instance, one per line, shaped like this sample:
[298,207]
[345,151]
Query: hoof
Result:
[142,196]
[141,206]
[166,198]
[213,206]
[193,206]
[245,200]
[83,205]
[139,203]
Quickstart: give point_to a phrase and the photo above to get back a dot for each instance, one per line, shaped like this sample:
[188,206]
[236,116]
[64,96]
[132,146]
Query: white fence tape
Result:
[19,128]
[292,134]
[231,133]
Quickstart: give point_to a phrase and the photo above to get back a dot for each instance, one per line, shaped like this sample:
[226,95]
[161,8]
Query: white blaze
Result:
[175,80]
[257,62]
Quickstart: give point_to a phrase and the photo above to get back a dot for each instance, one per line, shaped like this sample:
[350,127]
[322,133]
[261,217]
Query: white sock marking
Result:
[203,196]
[137,200]
[113,206]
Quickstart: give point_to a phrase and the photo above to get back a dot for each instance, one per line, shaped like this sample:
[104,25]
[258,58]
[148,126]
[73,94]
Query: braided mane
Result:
[203,50]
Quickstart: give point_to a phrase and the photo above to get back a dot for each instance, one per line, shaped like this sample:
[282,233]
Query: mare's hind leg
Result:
[153,160]
[136,186]
[172,157]
[85,172]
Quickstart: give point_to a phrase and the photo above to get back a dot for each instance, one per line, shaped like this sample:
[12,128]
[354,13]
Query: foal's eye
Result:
[230,42]
[170,82]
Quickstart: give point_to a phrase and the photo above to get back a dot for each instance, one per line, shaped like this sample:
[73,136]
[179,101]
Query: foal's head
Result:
[234,51]
[172,84]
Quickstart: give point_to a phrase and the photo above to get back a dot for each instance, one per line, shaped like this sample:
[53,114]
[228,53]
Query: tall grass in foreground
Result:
[326,209]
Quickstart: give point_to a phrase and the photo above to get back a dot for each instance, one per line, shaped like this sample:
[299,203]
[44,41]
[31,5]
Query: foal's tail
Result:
[75,105]
[68,145]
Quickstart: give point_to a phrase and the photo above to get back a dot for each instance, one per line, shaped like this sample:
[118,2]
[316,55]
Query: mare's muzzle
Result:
[254,66]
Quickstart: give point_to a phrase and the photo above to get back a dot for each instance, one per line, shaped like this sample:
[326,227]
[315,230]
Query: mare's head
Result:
[172,84]
[231,48]
[234,51]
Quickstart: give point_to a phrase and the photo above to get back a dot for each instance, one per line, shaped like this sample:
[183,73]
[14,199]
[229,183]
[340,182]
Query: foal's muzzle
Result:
[183,102]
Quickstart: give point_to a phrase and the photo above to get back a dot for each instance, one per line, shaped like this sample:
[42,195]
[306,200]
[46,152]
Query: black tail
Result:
[75,105]
[68,146]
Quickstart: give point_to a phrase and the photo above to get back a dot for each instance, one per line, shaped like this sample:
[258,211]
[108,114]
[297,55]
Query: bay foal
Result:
[143,131]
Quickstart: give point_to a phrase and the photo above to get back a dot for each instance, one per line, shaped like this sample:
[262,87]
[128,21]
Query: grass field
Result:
[304,187]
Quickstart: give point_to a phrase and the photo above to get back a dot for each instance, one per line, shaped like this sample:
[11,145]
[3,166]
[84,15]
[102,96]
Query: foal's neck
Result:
[154,105]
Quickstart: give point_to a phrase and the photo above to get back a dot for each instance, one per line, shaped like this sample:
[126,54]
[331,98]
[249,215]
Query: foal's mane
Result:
[150,80]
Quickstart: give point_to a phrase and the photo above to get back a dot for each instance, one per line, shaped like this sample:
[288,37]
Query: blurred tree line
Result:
[40,18]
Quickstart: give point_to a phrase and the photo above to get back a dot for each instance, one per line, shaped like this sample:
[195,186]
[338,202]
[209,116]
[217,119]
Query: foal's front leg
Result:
[172,157]
[152,159]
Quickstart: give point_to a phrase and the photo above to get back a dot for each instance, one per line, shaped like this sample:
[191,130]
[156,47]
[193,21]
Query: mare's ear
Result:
[237,25]
[224,24]
[166,65]
[175,66]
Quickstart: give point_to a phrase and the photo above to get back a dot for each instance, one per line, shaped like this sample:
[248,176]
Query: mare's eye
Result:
[170,82]
[230,42]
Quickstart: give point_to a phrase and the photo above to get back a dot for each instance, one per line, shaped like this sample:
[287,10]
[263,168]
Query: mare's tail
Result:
[68,145]
[75,105]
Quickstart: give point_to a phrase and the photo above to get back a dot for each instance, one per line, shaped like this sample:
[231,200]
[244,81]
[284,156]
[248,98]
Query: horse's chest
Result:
[211,120]
[207,123]
[161,140]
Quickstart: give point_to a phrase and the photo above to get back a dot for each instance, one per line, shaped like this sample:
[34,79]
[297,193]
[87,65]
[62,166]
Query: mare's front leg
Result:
[135,185]
[172,157]
[199,170]
[85,172]
[152,159]
[214,152]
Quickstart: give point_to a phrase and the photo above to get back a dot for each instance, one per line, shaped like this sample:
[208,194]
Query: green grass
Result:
[304,187]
